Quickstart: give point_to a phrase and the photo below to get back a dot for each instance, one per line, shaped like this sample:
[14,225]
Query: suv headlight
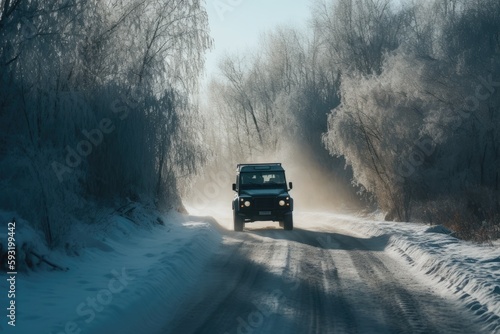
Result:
[247,203]
[284,202]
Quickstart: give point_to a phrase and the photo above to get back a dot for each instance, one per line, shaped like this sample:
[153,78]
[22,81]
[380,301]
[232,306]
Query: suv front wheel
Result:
[288,223]
[238,222]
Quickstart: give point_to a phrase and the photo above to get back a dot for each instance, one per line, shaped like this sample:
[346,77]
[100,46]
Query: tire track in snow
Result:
[346,285]
[400,308]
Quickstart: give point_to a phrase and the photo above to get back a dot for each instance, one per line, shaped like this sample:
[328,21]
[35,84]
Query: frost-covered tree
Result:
[359,32]
[427,124]
[96,97]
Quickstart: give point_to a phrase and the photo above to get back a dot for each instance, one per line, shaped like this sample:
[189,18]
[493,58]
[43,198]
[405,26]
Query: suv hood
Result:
[264,192]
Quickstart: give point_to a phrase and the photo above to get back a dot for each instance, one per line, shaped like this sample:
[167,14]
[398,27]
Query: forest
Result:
[396,102]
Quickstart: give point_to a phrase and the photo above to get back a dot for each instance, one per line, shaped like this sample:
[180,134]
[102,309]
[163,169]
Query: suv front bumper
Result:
[263,215]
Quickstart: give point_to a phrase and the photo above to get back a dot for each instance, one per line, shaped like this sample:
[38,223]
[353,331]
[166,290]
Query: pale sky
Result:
[235,25]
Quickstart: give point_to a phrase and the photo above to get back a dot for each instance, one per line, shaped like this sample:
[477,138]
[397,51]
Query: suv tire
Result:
[288,223]
[238,222]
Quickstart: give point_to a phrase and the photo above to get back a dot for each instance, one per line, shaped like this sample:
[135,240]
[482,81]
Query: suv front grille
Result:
[265,203]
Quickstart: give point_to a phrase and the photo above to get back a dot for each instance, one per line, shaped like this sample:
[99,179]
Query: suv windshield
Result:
[262,179]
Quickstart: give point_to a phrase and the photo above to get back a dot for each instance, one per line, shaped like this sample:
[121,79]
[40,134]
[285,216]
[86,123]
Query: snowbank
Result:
[124,279]
[468,270]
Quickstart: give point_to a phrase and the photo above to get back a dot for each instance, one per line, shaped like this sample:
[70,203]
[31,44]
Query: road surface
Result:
[318,278]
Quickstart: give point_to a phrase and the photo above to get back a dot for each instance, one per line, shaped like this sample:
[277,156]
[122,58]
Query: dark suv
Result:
[262,194]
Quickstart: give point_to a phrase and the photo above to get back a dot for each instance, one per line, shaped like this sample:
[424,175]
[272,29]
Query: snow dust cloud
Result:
[315,187]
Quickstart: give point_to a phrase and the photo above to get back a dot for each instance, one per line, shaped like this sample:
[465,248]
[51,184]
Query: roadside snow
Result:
[125,278]
[468,270]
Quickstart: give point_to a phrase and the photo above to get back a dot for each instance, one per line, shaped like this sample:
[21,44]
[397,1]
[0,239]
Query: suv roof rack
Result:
[275,166]
[260,164]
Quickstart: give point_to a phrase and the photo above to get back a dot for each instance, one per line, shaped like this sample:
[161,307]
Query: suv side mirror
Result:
[234,186]
[290,185]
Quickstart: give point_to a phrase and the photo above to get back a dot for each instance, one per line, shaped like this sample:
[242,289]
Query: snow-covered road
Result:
[319,278]
[334,273]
